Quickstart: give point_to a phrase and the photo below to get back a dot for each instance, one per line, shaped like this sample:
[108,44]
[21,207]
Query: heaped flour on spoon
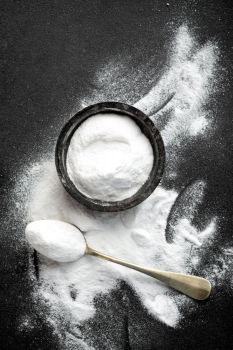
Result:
[56,240]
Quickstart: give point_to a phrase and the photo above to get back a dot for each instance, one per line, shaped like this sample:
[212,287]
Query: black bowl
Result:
[147,127]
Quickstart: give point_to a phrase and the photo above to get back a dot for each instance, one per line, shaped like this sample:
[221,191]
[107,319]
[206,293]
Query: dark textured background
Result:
[50,51]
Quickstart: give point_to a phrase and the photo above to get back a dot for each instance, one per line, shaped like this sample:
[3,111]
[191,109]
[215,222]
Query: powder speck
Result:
[198,126]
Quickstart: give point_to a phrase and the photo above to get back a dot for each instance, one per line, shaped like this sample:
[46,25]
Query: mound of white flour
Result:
[109,158]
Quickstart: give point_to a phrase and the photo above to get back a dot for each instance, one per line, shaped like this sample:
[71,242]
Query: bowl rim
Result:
[147,127]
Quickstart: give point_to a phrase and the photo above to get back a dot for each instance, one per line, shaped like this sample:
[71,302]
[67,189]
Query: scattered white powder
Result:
[166,309]
[109,158]
[136,235]
[57,240]
[222,268]
[198,125]
[190,76]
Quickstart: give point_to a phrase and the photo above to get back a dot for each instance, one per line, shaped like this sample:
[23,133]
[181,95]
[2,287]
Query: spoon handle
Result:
[196,287]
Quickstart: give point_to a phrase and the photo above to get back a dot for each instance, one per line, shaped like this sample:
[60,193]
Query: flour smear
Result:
[137,235]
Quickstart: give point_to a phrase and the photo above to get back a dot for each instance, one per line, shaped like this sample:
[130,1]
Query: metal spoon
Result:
[195,287]
[48,238]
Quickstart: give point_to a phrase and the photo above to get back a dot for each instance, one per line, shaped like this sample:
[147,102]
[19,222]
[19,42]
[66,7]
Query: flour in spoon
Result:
[56,240]
[109,158]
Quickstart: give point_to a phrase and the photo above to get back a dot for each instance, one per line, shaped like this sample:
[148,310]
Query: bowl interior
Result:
[147,127]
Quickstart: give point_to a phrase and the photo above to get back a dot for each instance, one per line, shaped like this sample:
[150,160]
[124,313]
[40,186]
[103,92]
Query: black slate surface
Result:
[50,52]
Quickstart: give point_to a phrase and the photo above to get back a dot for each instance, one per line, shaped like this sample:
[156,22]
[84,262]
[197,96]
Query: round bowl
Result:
[146,126]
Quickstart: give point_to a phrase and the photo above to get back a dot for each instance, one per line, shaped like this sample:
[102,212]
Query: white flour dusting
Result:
[137,235]
[222,268]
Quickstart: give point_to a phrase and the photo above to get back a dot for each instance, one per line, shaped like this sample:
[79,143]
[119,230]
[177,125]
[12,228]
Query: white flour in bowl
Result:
[109,158]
